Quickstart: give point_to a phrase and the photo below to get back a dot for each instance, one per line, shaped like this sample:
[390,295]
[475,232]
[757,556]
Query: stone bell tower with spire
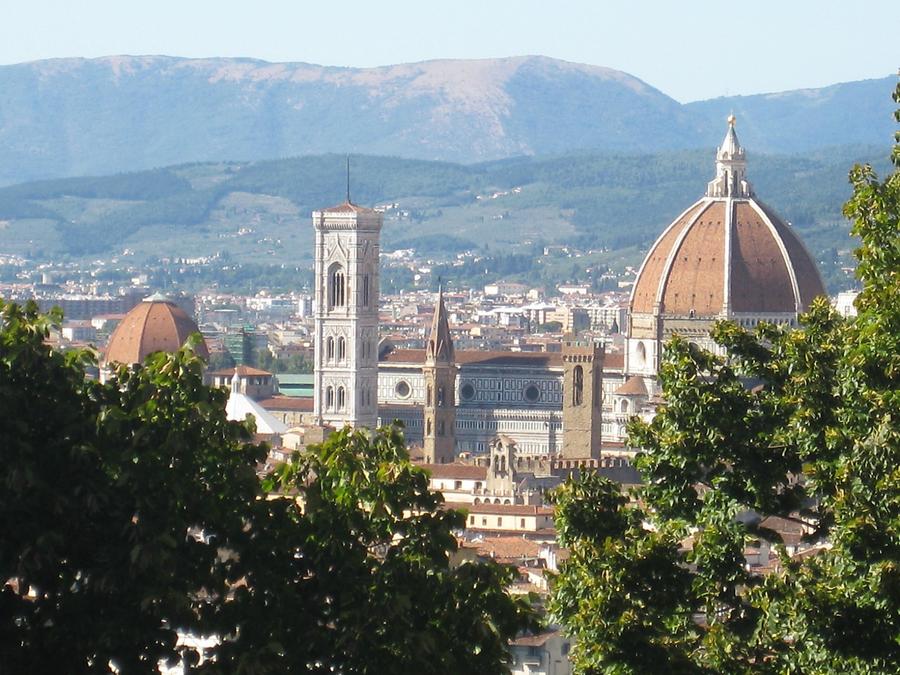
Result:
[440,390]
[346,316]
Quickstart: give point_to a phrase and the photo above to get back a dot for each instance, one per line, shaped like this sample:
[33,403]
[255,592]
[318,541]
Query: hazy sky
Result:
[689,49]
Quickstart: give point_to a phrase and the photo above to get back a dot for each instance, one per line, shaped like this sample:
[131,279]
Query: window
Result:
[428,396]
[457,485]
[428,427]
[329,348]
[499,522]
[402,389]
[484,522]
[577,386]
[467,391]
[532,393]
[522,523]
[329,398]
[440,397]
[641,354]
[471,520]
[336,287]
[341,349]
[440,428]
[624,406]
[366,291]
[340,398]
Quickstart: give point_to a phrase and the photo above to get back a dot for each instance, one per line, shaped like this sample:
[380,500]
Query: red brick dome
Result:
[155,325]
[727,254]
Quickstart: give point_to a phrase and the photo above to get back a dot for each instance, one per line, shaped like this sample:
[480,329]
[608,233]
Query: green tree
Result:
[660,585]
[131,511]
[369,562]
[116,500]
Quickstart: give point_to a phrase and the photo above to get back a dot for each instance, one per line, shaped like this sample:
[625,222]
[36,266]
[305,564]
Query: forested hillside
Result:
[259,211]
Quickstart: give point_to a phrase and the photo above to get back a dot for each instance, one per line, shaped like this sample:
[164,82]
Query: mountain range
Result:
[79,117]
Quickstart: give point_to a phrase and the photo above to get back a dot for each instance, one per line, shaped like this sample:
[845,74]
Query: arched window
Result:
[329,348]
[624,405]
[440,428]
[577,386]
[440,397]
[342,349]
[641,354]
[340,398]
[428,395]
[366,290]
[329,398]
[336,287]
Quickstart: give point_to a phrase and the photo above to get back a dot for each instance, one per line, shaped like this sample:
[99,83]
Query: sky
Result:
[689,49]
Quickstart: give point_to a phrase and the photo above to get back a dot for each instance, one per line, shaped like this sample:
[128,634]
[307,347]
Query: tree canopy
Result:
[801,425]
[131,513]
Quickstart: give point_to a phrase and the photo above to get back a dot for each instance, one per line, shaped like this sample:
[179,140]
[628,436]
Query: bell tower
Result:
[582,399]
[440,390]
[346,316]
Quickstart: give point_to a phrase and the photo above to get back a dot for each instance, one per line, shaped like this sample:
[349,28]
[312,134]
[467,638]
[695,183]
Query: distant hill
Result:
[76,117]
[807,119]
[259,212]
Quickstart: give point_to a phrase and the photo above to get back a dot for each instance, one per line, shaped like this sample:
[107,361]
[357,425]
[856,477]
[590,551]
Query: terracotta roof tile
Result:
[288,403]
[456,471]
[151,326]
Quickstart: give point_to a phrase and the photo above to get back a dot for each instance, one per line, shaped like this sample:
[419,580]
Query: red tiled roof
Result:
[288,403]
[501,509]
[347,207]
[456,471]
[634,386]
[152,326]
[242,371]
[535,640]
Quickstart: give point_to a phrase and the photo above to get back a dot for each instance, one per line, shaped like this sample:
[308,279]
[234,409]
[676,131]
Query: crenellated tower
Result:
[582,398]
[440,390]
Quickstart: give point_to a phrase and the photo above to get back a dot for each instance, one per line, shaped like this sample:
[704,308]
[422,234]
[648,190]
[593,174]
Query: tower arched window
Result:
[329,398]
[329,348]
[341,349]
[337,287]
[577,385]
[341,398]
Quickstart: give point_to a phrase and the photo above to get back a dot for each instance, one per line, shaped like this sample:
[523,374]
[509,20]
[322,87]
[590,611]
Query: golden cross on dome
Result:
[731,120]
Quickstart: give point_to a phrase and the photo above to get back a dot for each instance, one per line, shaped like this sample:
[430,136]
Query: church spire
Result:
[440,344]
[731,167]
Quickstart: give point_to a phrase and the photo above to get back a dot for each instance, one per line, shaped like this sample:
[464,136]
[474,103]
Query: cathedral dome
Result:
[155,325]
[728,254]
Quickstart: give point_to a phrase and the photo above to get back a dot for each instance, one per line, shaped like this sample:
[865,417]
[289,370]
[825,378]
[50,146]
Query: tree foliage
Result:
[131,514]
[800,424]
